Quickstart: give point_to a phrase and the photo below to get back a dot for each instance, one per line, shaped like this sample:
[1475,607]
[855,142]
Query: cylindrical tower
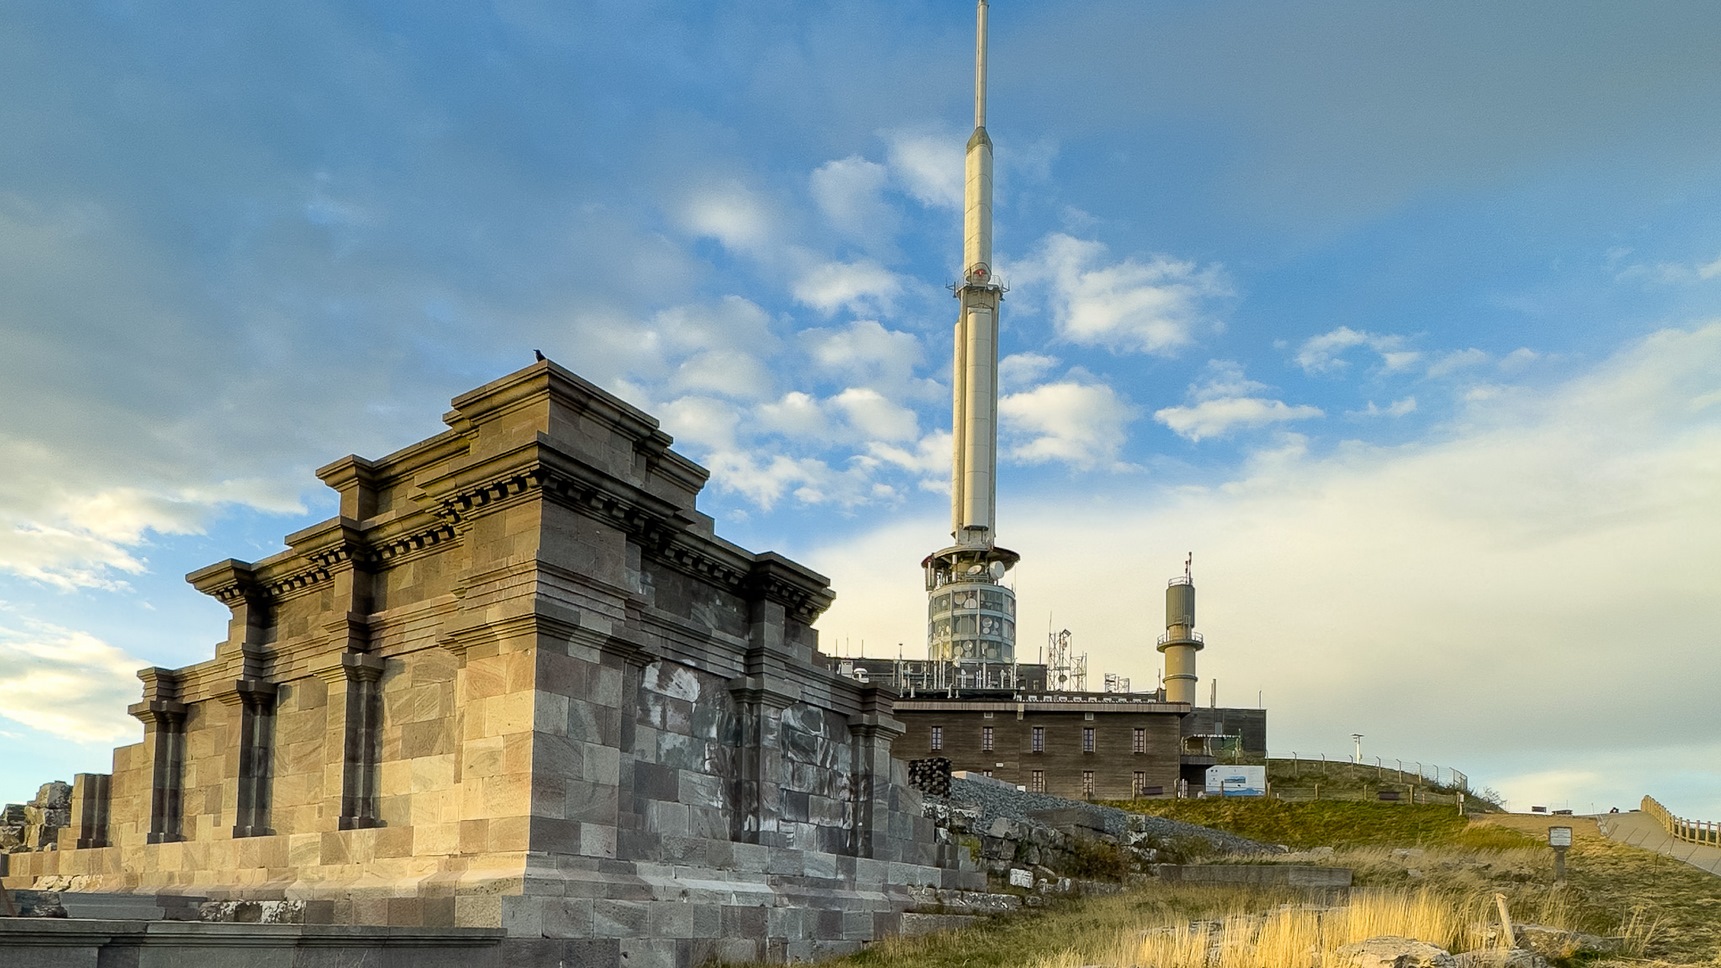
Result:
[1180,641]
[971,614]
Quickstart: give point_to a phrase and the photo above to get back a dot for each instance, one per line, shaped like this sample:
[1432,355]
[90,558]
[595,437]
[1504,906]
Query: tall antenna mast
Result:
[972,614]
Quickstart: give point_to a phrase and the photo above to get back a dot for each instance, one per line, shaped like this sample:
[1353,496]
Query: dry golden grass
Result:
[1291,935]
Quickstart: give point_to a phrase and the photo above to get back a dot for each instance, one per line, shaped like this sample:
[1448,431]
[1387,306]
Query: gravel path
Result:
[1000,801]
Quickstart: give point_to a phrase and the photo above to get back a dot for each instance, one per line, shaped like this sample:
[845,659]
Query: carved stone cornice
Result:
[765,690]
[231,582]
[803,593]
[254,694]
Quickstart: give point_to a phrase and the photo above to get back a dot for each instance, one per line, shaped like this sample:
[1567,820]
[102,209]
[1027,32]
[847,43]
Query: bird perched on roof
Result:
[539,354]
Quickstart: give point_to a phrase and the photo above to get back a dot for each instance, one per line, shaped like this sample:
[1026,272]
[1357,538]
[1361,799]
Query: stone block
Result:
[568,917]
[620,919]
[477,911]
[597,839]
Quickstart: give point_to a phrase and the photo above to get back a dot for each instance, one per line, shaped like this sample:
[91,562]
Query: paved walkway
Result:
[1641,830]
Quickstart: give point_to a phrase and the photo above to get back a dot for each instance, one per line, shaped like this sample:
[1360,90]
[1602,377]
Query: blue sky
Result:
[1402,318]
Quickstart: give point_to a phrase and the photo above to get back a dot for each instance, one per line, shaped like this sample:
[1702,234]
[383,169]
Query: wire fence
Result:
[1410,793]
[1385,770]
[1691,831]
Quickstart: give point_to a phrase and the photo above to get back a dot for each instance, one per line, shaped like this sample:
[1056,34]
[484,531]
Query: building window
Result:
[1037,740]
[1140,741]
[1088,784]
[1139,784]
[1087,739]
[937,738]
[986,738]
[1037,781]
[985,772]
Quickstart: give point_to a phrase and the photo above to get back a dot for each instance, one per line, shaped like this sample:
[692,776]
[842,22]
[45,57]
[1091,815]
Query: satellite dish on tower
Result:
[997,570]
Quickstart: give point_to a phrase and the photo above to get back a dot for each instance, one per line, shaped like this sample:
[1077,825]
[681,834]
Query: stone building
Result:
[518,683]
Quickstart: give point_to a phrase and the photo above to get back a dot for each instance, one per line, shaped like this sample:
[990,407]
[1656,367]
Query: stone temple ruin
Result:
[517,697]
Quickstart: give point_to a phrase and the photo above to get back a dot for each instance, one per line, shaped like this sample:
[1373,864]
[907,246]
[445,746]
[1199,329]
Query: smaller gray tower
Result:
[1180,641]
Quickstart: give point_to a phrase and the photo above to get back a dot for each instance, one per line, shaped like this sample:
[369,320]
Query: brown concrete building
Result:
[1083,747]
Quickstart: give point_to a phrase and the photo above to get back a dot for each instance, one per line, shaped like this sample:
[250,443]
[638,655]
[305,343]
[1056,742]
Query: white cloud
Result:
[1219,417]
[795,414]
[1225,401]
[733,215]
[860,287]
[1397,408]
[874,417]
[1667,273]
[866,353]
[700,422]
[929,458]
[1455,360]
[729,372]
[1022,369]
[63,682]
[1156,306]
[850,194]
[1325,353]
[1082,424]
[929,166]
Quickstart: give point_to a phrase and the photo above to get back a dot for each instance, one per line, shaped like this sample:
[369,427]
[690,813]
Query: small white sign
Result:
[1021,878]
[1559,836]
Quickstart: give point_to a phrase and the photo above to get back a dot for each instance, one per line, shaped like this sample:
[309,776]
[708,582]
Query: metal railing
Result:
[1433,774]
[1691,831]
[1165,637]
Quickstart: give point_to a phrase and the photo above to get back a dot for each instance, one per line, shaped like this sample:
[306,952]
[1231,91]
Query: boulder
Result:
[1557,943]
[1502,958]
[1392,952]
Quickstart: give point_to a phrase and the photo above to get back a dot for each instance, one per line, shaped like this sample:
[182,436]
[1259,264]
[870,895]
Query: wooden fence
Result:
[1691,831]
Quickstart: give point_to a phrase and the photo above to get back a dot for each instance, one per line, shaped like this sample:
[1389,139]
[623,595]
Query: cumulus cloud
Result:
[795,414]
[875,418]
[928,165]
[850,194]
[733,215]
[929,458]
[1154,306]
[1669,273]
[1325,353]
[1081,424]
[66,683]
[1455,360]
[1397,408]
[1227,401]
[1022,369]
[866,353]
[860,287]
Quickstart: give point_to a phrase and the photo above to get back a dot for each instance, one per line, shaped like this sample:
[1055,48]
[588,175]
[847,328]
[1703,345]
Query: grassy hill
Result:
[1441,868]
[1333,823]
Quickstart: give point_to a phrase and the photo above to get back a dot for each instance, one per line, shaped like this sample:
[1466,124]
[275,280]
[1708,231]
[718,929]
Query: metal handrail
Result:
[1185,637]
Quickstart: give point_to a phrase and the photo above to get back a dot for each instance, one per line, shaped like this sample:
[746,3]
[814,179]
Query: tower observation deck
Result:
[971,614]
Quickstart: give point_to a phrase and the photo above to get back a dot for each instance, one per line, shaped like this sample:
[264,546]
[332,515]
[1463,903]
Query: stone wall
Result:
[519,683]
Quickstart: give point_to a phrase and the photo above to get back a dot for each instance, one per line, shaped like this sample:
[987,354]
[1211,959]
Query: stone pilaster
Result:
[872,730]
[254,763]
[163,718]
[362,729]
